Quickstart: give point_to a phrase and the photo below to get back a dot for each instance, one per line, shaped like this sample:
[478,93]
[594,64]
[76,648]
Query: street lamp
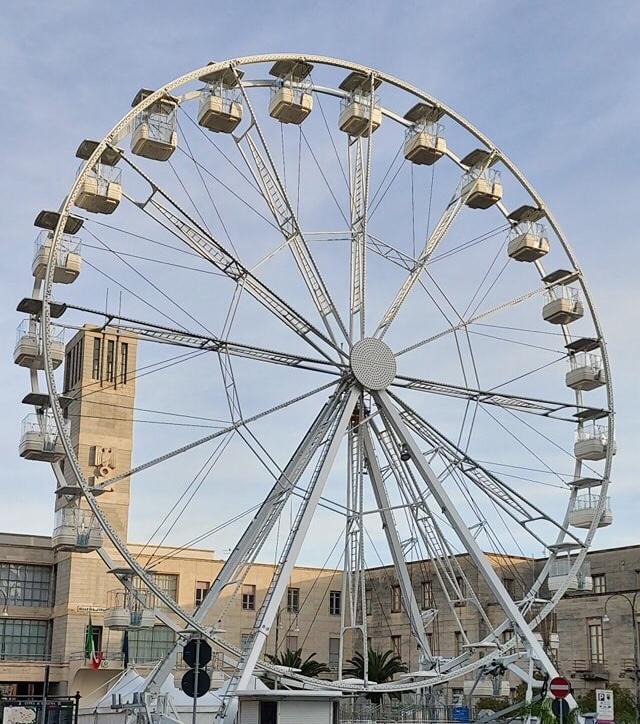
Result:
[631,600]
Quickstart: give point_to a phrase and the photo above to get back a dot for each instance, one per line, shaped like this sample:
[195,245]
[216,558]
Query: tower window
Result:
[124,361]
[110,359]
[96,362]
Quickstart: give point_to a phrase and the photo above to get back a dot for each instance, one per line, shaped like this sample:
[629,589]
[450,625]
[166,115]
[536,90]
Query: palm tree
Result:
[382,667]
[293,659]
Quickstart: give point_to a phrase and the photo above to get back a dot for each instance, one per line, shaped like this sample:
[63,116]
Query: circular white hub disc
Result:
[373,363]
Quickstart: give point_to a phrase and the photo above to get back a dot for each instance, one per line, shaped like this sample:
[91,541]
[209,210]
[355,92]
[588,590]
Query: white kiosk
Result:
[285,706]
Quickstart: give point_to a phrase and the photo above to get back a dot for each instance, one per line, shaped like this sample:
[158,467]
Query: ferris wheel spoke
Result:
[273,190]
[416,622]
[393,418]
[236,565]
[189,232]
[440,230]
[268,610]
[535,406]
[446,564]
[207,438]
[515,505]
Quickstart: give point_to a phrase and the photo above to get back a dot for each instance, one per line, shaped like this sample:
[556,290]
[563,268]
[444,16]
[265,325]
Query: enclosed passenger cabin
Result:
[154,129]
[39,439]
[128,610]
[563,303]
[584,510]
[220,100]
[560,571]
[528,242]
[75,530]
[586,371]
[481,186]
[28,350]
[68,261]
[101,189]
[360,112]
[591,443]
[424,141]
[291,99]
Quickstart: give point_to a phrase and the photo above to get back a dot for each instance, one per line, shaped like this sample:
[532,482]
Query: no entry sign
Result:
[560,687]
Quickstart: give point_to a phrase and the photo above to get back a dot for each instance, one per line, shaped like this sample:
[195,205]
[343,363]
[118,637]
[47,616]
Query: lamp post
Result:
[631,600]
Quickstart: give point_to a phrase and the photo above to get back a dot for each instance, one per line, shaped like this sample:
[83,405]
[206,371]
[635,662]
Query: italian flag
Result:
[90,653]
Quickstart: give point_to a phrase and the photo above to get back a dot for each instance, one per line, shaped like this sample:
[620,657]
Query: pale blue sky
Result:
[553,84]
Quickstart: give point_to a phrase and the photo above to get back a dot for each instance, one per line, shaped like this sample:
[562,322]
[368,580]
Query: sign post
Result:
[604,705]
[196,681]
[560,688]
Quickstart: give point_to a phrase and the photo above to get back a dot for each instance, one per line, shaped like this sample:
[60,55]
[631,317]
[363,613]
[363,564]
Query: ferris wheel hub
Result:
[373,363]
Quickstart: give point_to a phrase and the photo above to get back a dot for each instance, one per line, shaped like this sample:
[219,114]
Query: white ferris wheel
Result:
[385,316]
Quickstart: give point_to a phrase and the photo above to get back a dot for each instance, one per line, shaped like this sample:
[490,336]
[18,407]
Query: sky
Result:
[553,84]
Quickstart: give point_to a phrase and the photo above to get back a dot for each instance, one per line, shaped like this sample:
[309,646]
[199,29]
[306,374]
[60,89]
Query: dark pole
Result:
[75,713]
[45,687]
[196,670]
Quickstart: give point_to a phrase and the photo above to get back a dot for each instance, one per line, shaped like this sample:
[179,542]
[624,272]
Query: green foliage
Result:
[293,659]
[624,706]
[495,703]
[382,667]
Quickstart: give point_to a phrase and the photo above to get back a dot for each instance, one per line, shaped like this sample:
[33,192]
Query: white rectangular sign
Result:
[604,704]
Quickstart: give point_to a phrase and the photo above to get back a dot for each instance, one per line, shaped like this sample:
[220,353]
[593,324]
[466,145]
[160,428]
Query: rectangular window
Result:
[427,595]
[248,598]
[599,583]
[292,643]
[23,639]
[26,585]
[335,602]
[111,348]
[510,586]
[72,371]
[334,653]
[166,582]
[148,645]
[293,600]
[79,360]
[201,591]
[97,636]
[368,602]
[396,599]
[245,638]
[396,645]
[463,591]
[124,361]
[96,359]
[596,640]
[459,641]
[67,371]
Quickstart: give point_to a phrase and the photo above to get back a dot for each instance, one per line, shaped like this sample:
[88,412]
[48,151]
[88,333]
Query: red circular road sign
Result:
[560,687]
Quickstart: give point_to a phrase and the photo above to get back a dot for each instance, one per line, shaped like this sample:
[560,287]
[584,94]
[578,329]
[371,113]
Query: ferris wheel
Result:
[381,315]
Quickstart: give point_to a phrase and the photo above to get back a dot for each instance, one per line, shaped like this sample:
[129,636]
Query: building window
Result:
[111,347]
[367,601]
[23,640]
[335,601]
[26,585]
[245,639]
[67,371]
[599,583]
[292,643]
[396,645]
[510,586]
[124,362]
[596,640]
[150,644]
[96,632]
[96,359]
[334,653]
[459,640]
[79,359]
[248,597]
[427,595]
[463,590]
[293,600]
[166,582]
[396,599]
[201,591]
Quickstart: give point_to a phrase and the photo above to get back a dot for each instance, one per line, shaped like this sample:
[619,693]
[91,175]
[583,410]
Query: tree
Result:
[293,659]
[382,667]
[624,704]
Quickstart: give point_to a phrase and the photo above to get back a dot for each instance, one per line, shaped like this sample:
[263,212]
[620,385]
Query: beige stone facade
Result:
[51,594]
